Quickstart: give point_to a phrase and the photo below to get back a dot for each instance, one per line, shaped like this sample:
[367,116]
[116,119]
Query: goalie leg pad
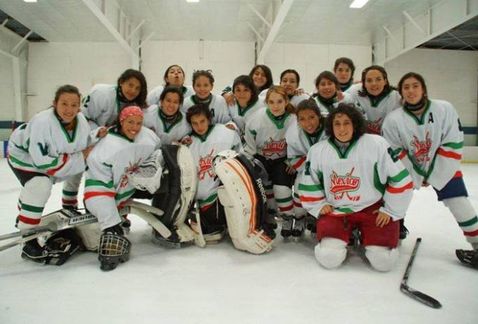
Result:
[240,200]
[331,252]
[381,258]
[90,236]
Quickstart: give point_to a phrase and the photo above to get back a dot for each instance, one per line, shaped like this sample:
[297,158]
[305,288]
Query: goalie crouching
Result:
[241,208]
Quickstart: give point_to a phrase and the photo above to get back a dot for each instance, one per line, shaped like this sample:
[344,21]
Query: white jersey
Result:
[299,143]
[204,149]
[375,112]
[43,145]
[430,146]
[265,134]
[326,108]
[355,179]
[296,99]
[167,132]
[153,95]
[217,106]
[241,116]
[102,105]
[107,186]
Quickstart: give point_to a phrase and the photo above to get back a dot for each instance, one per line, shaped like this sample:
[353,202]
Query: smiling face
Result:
[412,91]
[67,106]
[242,94]
[276,103]
[326,88]
[290,83]
[202,87]
[175,76]
[200,124]
[308,121]
[131,126]
[259,78]
[375,82]
[170,104]
[343,73]
[130,88]
[343,128]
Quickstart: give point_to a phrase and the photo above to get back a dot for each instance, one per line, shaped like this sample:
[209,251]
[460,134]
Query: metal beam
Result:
[278,21]
[413,22]
[14,49]
[256,32]
[454,12]
[261,17]
[135,30]
[113,31]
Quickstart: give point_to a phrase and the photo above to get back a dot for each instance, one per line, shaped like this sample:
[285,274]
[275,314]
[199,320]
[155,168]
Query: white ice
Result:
[219,284]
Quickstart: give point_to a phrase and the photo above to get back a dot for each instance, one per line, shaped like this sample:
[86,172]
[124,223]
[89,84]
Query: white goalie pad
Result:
[148,175]
[239,198]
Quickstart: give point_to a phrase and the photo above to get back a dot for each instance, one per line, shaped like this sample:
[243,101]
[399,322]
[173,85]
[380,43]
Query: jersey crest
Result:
[375,127]
[421,148]
[272,148]
[205,165]
[341,185]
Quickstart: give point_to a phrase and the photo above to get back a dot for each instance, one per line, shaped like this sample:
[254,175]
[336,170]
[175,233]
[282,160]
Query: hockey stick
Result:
[415,294]
[147,213]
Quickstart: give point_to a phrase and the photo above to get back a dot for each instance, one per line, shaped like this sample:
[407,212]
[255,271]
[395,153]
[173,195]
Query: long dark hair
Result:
[67,88]
[416,76]
[247,82]
[329,76]
[268,74]
[140,100]
[172,89]
[348,62]
[381,69]
[165,77]
[297,76]
[355,116]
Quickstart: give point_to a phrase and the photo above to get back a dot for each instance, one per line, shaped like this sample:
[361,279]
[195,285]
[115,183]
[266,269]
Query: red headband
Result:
[130,111]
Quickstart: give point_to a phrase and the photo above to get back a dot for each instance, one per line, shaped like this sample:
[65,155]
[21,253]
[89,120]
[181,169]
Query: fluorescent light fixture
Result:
[191,1]
[358,3]
[29,0]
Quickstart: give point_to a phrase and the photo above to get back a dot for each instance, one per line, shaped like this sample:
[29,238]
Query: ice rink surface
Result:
[219,284]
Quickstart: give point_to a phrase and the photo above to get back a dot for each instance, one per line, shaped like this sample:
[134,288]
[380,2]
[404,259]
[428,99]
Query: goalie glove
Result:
[148,175]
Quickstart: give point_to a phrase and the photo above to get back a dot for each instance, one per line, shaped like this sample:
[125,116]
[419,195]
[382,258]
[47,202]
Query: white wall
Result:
[227,60]
[8,40]
[311,59]
[450,75]
[82,64]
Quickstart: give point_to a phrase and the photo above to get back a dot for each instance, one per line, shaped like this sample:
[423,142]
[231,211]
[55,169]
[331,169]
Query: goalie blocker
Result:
[244,201]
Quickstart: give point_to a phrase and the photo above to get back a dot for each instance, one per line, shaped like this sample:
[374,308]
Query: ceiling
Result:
[308,21]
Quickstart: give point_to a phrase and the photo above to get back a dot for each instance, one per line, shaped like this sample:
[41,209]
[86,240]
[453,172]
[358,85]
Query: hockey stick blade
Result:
[419,296]
[415,294]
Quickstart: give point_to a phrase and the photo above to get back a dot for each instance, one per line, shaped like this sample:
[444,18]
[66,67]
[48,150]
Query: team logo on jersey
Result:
[421,148]
[374,127]
[271,148]
[343,185]
[132,168]
[205,165]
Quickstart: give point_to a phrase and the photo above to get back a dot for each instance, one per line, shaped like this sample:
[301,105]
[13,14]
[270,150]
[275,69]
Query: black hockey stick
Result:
[415,294]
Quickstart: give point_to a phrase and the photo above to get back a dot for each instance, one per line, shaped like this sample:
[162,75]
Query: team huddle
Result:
[341,163]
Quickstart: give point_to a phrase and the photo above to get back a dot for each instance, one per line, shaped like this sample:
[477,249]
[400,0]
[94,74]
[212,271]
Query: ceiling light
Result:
[29,0]
[358,3]
[192,1]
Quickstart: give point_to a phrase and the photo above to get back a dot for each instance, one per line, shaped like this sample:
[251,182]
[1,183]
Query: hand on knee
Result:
[381,258]
[331,252]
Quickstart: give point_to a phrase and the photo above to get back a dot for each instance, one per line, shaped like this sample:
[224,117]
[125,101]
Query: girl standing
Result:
[328,94]
[203,83]
[344,69]
[167,121]
[427,136]
[376,98]
[51,147]
[173,76]
[265,140]
[300,138]
[290,80]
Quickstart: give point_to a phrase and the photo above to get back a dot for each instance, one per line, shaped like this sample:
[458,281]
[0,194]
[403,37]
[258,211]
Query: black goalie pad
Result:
[169,193]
